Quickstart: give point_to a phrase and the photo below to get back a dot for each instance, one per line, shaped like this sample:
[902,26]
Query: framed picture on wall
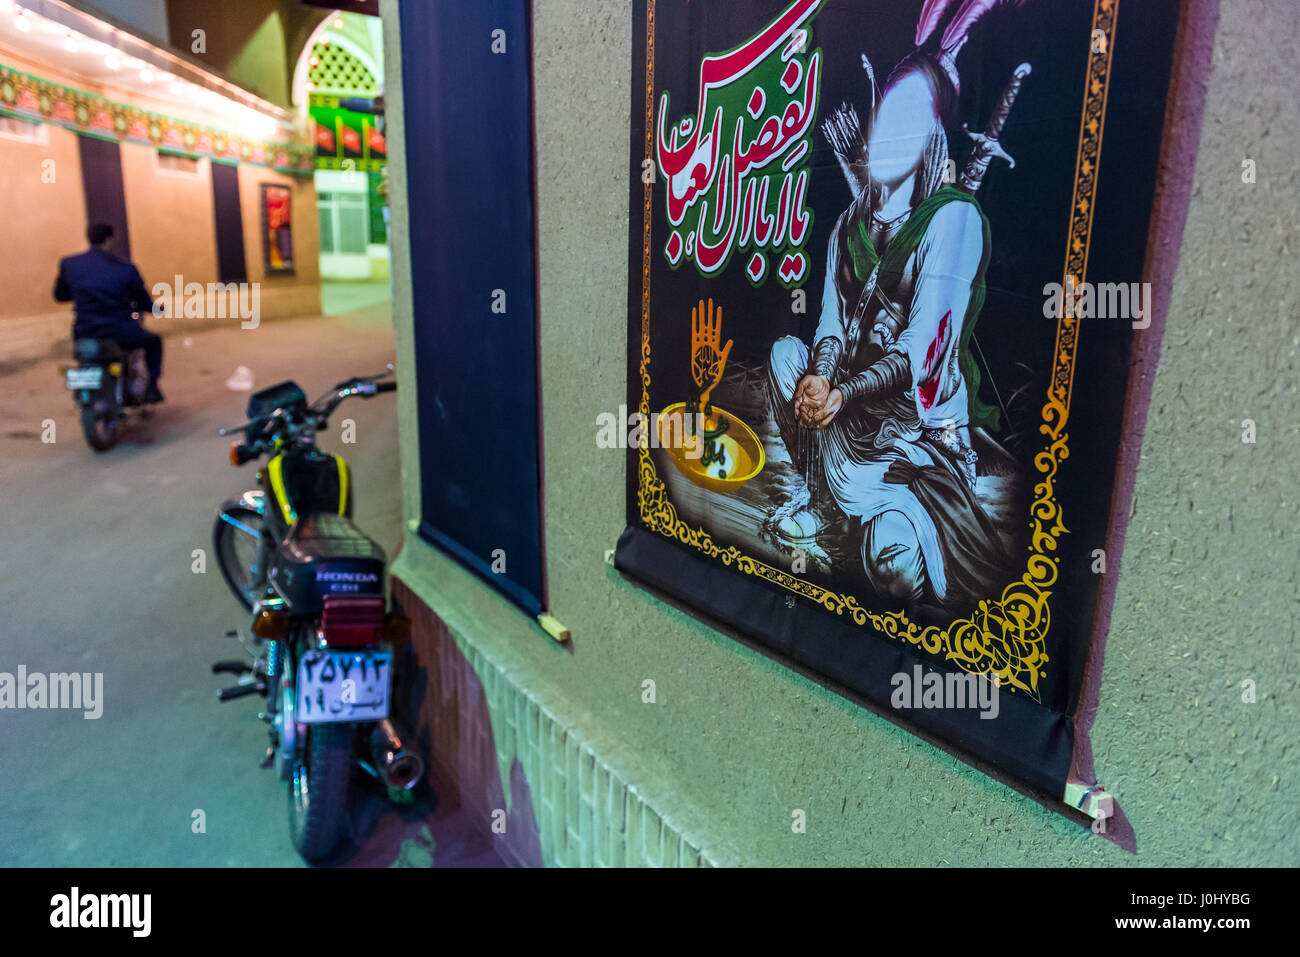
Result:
[878,262]
[277,228]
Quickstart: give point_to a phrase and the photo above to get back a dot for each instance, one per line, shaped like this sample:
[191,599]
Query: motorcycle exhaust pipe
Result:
[398,766]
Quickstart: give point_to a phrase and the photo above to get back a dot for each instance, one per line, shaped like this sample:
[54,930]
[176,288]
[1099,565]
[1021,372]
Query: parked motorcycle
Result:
[108,382]
[322,635]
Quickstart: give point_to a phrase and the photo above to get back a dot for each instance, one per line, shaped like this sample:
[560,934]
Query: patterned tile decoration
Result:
[338,71]
[32,98]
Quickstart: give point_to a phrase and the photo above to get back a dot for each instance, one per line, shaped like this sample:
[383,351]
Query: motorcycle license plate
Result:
[89,378]
[343,686]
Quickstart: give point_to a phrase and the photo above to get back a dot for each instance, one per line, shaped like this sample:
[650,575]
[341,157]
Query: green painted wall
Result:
[254,43]
[1206,596]
[262,62]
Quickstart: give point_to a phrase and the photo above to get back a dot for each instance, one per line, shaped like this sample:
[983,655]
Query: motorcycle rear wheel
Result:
[101,430]
[318,789]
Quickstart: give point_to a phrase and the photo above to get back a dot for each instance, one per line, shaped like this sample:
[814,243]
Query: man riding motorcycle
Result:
[105,291]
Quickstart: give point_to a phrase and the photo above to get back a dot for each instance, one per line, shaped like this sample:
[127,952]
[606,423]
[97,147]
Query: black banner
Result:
[885,284]
[467,105]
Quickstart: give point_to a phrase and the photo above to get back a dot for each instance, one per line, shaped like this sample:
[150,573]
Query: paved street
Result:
[96,576]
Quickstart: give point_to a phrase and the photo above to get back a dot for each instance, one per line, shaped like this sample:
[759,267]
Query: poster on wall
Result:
[885,284]
[277,229]
[345,138]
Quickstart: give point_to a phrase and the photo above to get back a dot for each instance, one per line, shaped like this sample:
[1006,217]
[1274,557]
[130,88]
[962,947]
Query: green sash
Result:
[865,258]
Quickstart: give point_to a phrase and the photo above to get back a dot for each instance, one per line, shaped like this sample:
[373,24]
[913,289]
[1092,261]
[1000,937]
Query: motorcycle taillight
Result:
[352,621]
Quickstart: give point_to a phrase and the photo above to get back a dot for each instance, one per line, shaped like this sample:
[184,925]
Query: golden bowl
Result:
[744,451]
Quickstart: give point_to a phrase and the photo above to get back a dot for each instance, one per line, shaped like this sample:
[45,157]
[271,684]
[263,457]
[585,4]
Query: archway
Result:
[337,89]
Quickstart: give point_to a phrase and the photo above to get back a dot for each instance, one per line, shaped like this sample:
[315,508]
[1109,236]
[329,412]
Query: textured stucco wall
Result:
[170,218]
[55,218]
[1206,595]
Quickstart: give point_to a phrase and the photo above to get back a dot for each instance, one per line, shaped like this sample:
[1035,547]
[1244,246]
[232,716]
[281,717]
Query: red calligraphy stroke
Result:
[720,71]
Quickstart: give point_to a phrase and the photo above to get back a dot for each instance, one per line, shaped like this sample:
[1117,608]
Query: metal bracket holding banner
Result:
[553,627]
[1091,799]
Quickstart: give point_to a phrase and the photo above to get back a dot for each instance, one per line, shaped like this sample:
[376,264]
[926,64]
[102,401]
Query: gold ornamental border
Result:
[1006,637]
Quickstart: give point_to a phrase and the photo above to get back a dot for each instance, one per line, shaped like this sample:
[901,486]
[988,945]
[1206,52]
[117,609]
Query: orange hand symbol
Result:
[707,361]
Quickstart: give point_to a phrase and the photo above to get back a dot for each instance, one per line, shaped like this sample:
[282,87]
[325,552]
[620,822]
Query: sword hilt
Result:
[1003,109]
[987,144]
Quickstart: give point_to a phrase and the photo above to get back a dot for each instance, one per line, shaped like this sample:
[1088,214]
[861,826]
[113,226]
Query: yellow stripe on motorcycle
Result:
[343,484]
[275,469]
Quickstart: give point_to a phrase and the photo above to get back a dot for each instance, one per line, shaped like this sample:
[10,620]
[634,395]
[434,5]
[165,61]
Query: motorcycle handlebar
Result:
[365,387]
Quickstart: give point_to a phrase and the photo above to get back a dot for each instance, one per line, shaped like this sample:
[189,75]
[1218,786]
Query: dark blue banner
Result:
[467,104]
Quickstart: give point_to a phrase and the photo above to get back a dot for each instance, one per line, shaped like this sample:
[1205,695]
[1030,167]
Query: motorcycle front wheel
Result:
[237,540]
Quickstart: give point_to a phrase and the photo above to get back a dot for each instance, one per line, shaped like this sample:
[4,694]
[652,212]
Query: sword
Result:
[987,145]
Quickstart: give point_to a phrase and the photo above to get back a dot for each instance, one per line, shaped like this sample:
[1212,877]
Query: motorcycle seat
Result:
[326,554]
[97,350]
[324,537]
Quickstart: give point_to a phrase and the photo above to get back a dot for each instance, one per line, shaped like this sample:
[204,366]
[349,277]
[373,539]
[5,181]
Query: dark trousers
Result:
[137,337]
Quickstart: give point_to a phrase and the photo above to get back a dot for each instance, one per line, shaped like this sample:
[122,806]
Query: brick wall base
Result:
[497,754]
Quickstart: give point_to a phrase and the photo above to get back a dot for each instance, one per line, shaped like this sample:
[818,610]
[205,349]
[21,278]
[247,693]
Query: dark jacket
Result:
[104,291]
